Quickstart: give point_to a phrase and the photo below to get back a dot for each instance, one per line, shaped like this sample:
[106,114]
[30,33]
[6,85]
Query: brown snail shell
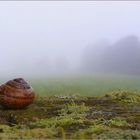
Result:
[16,94]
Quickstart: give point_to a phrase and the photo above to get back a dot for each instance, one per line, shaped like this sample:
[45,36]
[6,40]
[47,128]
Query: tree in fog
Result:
[92,57]
[123,57]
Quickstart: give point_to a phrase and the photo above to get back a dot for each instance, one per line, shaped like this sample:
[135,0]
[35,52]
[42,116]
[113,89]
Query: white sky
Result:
[35,34]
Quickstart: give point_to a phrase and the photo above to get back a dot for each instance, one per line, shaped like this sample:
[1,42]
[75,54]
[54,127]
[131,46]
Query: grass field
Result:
[85,85]
[114,115]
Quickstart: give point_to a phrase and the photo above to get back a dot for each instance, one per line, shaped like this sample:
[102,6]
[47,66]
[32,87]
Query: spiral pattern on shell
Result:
[16,94]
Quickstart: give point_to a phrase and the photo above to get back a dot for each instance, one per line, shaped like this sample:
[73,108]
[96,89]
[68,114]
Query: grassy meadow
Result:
[88,85]
[77,107]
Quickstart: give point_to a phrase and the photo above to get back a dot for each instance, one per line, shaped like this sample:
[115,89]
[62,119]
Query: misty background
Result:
[53,38]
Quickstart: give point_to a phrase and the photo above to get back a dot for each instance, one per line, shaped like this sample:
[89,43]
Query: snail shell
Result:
[16,94]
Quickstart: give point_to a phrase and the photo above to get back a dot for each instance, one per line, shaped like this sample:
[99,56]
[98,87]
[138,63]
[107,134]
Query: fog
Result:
[53,38]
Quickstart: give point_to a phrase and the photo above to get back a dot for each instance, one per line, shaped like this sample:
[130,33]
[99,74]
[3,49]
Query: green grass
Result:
[105,117]
[85,85]
[68,115]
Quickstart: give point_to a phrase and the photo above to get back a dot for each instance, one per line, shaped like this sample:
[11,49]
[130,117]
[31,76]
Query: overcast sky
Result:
[36,36]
